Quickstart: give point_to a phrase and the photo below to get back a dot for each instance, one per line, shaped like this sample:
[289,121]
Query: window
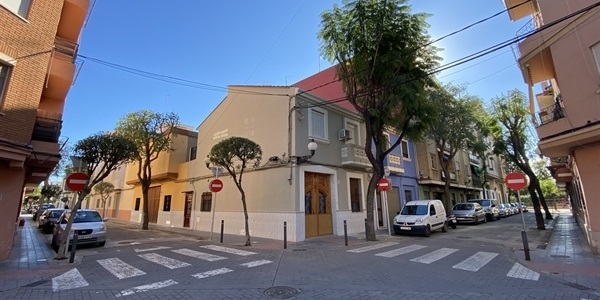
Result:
[387,144]
[405,152]
[19,7]
[353,128]
[491,163]
[433,158]
[167,203]
[317,124]
[457,168]
[193,153]
[206,202]
[4,71]
[596,53]
[408,196]
[137,204]
[355,195]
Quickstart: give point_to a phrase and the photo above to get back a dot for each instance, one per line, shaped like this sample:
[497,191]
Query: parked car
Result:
[515,208]
[41,209]
[504,210]
[490,206]
[523,205]
[89,224]
[49,218]
[469,213]
[421,216]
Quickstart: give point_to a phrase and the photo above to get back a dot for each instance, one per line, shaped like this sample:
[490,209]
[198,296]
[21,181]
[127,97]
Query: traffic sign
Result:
[383,184]
[215,185]
[76,181]
[515,181]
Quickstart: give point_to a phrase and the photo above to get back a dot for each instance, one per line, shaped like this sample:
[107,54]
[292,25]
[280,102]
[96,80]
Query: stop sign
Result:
[515,181]
[215,185]
[76,181]
[383,184]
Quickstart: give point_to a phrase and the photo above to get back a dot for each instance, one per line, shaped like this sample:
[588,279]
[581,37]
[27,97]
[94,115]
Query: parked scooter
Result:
[451,220]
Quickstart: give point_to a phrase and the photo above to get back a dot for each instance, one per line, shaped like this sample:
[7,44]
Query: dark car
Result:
[42,209]
[49,218]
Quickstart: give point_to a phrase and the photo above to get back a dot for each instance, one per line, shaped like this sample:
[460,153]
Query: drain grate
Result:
[37,283]
[560,256]
[541,246]
[577,286]
[280,292]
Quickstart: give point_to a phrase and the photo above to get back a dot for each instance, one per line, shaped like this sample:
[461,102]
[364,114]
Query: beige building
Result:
[564,62]
[38,47]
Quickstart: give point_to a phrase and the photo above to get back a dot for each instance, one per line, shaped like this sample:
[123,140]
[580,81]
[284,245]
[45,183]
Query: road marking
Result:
[476,261]
[168,262]
[200,255]
[228,250]
[119,268]
[69,280]
[434,256]
[256,263]
[147,287]
[151,249]
[212,273]
[372,247]
[400,251]
[519,271]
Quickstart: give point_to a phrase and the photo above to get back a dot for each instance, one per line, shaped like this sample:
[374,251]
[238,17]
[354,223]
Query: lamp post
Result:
[312,146]
[216,172]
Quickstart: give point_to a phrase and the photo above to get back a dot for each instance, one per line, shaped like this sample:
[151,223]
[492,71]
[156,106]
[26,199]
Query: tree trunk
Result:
[539,218]
[146,218]
[542,199]
[62,249]
[371,236]
[246,226]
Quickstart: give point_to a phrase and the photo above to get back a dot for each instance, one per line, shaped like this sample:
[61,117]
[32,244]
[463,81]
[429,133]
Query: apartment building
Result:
[38,47]
[560,64]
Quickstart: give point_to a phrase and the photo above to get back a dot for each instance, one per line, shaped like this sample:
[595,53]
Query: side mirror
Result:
[105,219]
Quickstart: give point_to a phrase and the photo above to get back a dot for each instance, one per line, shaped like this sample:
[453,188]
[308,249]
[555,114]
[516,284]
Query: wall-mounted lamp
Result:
[312,146]
[215,169]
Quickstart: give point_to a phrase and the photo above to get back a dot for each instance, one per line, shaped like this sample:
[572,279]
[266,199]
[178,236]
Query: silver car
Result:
[469,213]
[89,225]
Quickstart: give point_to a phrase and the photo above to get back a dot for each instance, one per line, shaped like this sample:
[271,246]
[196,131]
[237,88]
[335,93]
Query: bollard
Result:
[222,227]
[284,235]
[525,244]
[345,234]
[73,247]
[366,231]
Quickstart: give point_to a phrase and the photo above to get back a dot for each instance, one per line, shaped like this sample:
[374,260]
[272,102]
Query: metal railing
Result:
[550,114]
[65,47]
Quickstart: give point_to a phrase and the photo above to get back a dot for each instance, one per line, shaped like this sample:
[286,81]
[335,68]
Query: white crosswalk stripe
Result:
[151,249]
[372,247]
[71,279]
[256,263]
[400,251]
[212,273]
[147,287]
[119,268]
[168,262]
[476,261]
[519,271]
[199,255]
[434,256]
[228,250]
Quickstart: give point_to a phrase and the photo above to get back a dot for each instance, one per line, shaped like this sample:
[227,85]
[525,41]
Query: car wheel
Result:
[427,231]
[445,227]
[484,219]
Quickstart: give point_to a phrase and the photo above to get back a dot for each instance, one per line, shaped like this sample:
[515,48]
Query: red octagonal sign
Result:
[76,181]
[515,181]
[383,184]
[215,185]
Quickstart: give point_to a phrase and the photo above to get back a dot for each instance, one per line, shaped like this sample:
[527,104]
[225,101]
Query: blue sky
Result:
[263,42]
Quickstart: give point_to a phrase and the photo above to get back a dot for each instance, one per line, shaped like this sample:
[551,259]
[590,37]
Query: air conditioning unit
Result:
[344,135]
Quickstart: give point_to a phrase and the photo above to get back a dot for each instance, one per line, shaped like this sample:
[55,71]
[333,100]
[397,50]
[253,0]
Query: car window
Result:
[413,210]
[83,217]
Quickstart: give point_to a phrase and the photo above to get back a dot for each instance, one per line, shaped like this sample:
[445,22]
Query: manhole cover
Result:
[280,292]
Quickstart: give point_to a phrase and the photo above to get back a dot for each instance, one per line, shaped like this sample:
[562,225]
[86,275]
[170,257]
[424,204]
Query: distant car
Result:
[38,212]
[523,206]
[504,210]
[515,208]
[89,224]
[469,213]
[490,206]
[49,218]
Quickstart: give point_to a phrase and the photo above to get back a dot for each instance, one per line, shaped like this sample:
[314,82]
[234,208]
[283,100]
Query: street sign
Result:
[76,181]
[515,181]
[215,185]
[383,184]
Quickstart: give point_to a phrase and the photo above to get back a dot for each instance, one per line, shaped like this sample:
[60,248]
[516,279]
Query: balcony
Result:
[395,163]
[452,175]
[473,159]
[47,126]
[521,11]
[354,156]
[74,14]
[550,114]
[61,72]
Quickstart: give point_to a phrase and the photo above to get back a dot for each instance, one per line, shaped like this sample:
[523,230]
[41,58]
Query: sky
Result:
[213,44]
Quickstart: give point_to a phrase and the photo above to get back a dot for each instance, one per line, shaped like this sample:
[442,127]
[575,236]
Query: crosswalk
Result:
[473,263]
[120,269]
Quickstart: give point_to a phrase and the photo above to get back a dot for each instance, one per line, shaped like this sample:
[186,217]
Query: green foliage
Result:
[104,189]
[541,171]
[235,154]
[549,188]
[50,190]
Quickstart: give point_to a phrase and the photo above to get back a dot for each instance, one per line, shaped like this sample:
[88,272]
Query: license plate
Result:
[85,236]
[460,218]
[405,228]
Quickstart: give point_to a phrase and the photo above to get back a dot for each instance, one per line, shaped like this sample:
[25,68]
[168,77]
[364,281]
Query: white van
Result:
[421,216]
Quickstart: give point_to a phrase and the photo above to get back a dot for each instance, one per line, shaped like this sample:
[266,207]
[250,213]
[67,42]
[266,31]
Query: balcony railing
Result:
[65,47]
[395,163]
[354,156]
[550,114]
[47,127]
[473,158]
[530,26]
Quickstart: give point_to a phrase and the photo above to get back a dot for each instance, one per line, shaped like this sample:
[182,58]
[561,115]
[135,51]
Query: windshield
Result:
[56,213]
[482,202]
[412,210]
[463,206]
[83,217]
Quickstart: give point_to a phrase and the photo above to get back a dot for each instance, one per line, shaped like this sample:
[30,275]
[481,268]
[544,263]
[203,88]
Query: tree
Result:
[235,154]
[455,129]
[512,139]
[151,132]
[383,61]
[104,189]
[102,153]
[50,191]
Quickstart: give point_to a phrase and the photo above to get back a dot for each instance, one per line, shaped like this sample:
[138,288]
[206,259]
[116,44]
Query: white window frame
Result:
[325,124]
[363,207]
[491,163]
[5,62]
[357,137]
[596,53]
[407,150]
[13,6]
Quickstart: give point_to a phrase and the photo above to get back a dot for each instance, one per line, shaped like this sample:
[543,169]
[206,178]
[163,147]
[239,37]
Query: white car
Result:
[421,216]
[89,225]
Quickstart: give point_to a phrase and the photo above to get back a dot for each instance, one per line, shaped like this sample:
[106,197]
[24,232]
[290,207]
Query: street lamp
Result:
[216,170]
[312,146]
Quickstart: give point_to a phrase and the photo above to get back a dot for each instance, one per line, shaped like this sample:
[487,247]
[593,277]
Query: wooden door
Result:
[187,211]
[153,203]
[317,205]
[393,198]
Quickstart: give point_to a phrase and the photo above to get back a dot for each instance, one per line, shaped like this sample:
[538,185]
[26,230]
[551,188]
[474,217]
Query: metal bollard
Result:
[345,234]
[525,244]
[222,228]
[73,247]
[284,235]
[366,231]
